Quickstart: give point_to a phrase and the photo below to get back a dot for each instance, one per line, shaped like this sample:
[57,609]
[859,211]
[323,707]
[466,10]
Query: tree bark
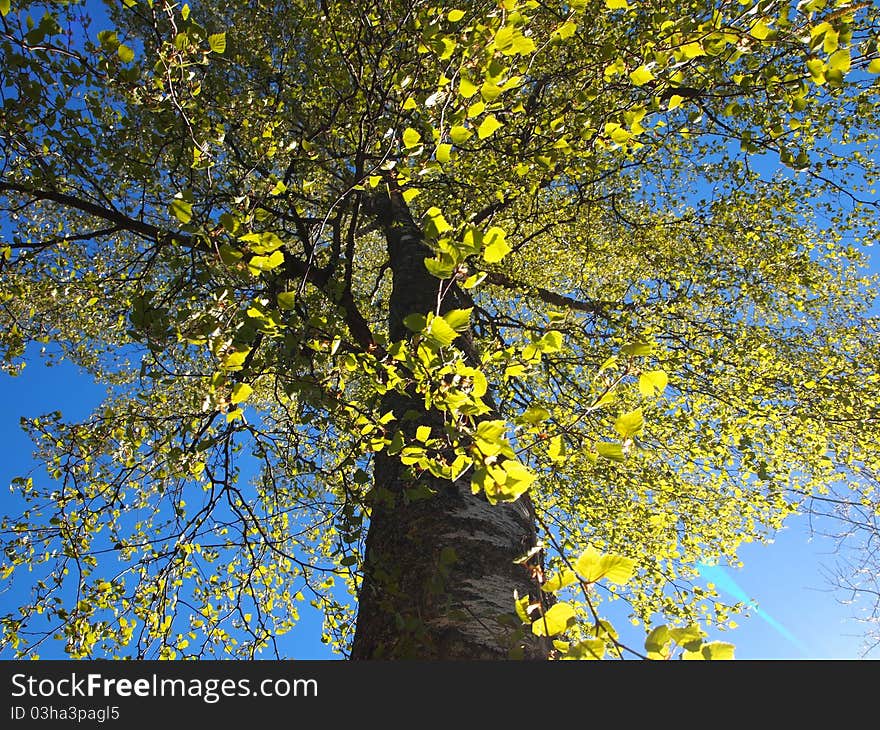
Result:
[439,571]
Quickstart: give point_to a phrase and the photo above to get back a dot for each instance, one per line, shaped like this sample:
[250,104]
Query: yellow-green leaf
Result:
[126,54]
[712,650]
[559,580]
[657,642]
[458,318]
[287,300]
[466,88]
[234,360]
[567,29]
[593,566]
[629,424]
[550,342]
[263,242]
[585,650]
[616,4]
[440,333]
[488,127]
[490,91]
[496,245]
[555,621]
[489,437]
[217,41]
[266,263]
[443,153]
[181,209]
[692,50]
[760,30]
[609,450]
[652,382]
[436,221]
[4,8]
[642,75]
[840,60]
[411,138]
[241,392]
[453,16]
[689,637]
[459,134]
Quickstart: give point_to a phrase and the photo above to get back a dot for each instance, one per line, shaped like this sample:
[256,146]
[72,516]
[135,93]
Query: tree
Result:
[483,314]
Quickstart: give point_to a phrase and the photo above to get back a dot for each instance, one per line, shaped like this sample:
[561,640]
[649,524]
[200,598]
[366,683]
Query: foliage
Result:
[655,209]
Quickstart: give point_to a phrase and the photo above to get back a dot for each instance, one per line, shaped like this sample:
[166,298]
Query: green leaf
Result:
[453,16]
[488,127]
[840,61]
[229,255]
[556,450]
[437,225]
[713,651]
[440,333]
[4,8]
[266,263]
[638,348]
[534,415]
[217,42]
[181,209]
[641,76]
[558,618]
[689,638]
[459,134]
[458,319]
[629,424]
[558,581]
[467,88]
[593,566]
[587,649]
[609,450]
[241,392]
[287,300]
[522,606]
[126,55]
[652,382]
[441,267]
[760,30]
[415,322]
[263,242]
[411,138]
[657,643]
[234,360]
[550,342]
[489,437]
[496,245]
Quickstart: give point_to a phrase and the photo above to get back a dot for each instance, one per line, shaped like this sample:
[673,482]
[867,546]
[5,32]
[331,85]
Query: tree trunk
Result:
[439,571]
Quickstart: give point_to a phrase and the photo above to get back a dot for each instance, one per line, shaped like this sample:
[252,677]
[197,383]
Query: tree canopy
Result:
[599,261]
